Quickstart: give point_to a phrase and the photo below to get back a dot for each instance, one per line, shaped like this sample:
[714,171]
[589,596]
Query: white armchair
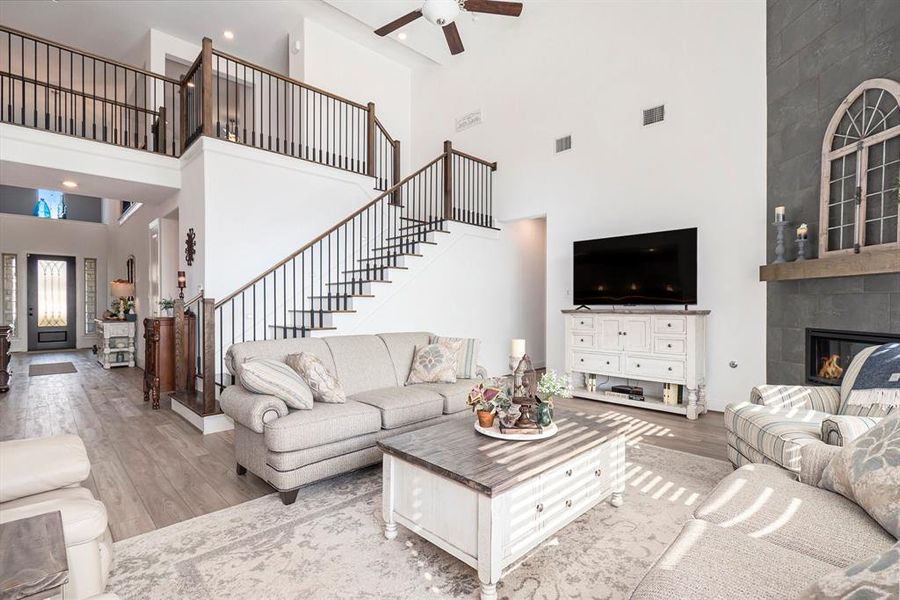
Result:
[42,475]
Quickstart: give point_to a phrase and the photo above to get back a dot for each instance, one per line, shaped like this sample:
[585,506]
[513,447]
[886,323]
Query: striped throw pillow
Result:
[274,378]
[466,355]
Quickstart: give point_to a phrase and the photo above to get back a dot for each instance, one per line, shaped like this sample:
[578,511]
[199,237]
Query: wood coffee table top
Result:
[455,450]
[32,557]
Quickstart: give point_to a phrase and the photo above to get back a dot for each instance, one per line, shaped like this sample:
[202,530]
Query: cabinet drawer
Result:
[669,324]
[582,340]
[655,367]
[663,345]
[594,362]
[582,323]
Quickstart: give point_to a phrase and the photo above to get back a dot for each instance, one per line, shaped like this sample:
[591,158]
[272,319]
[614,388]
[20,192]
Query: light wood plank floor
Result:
[152,469]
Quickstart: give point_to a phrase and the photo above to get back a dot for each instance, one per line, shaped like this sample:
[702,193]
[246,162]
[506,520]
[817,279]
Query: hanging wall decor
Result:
[861,172]
[190,247]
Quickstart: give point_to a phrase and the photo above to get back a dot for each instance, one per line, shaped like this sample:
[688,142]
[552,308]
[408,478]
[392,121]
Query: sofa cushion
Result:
[708,561]
[401,347]
[288,461]
[849,380]
[466,354]
[274,378]
[777,433]
[767,503]
[361,362]
[324,386]
[401,406]
[867,471]
[324,424]
[454,394]
[83,517]
[875,577]
[278,350]
[433,363]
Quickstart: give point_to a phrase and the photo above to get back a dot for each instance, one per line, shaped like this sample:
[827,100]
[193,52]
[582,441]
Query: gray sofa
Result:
[291,448]
[761,534]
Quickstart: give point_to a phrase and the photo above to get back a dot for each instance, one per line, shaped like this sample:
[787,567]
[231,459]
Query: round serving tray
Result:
[494,432]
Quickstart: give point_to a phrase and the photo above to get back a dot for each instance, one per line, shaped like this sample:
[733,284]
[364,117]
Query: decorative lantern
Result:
[182,283]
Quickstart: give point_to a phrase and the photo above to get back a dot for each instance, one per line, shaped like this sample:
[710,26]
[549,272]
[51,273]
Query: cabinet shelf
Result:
[647,402]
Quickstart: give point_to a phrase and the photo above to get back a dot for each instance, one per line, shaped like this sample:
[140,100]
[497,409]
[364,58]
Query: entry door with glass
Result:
[51,302]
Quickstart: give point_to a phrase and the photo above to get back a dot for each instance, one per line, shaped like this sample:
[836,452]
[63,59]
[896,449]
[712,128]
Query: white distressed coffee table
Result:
[488,502]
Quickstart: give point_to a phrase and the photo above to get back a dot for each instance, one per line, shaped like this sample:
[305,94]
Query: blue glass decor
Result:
[41,209]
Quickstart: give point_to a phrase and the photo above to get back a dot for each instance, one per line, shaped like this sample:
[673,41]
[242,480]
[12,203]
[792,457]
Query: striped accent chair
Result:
[778,420]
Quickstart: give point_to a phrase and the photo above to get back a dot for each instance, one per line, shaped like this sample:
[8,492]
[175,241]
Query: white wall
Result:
[341,66]
[475,283]
[588,69]
[24,235]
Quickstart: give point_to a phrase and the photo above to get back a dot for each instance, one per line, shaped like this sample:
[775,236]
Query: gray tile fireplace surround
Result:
[870,303]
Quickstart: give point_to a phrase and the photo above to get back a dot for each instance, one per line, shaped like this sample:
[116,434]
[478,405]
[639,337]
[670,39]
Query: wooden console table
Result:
[33,563]
[159,356]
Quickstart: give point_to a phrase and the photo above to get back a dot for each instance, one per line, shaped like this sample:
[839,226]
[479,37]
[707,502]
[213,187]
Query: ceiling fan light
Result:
[440,12]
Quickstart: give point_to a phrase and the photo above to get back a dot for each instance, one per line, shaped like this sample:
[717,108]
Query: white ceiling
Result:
[476,30]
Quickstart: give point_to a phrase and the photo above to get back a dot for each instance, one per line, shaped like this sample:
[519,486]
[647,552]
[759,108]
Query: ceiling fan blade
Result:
[453,39]
[494,7]
[398,23]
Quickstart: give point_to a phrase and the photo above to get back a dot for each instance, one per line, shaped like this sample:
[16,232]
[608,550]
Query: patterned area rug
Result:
[51,369]
[329,544]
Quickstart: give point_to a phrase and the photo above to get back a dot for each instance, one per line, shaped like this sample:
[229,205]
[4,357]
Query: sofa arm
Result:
[251,410]
[814,457]
[37,465]
[821,398]
[840,430]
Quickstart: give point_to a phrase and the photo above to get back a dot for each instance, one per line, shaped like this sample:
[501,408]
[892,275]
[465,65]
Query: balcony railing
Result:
[49,86]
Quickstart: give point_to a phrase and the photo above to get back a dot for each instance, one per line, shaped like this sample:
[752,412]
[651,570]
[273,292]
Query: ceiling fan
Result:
[444,13]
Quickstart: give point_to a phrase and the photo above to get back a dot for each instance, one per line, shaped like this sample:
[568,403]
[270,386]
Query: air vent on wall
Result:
[563,144]
[655,114]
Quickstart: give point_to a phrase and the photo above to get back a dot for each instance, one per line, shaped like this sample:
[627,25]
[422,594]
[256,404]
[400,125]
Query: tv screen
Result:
[649,268]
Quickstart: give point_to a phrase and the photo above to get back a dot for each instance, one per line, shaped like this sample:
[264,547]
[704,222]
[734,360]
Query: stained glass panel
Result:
[51,288]
[90,295]
[8,292]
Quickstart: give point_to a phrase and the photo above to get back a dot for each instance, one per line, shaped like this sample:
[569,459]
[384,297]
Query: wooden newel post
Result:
[209,356]
[370,140]
[396,198]
[206,85]
[180,378]
[161,131]
[448,180]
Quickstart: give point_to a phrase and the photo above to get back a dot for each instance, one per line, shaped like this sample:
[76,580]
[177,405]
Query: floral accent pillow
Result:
[874,577]
[433,363]
[466,354]
[867,471]
[325,386]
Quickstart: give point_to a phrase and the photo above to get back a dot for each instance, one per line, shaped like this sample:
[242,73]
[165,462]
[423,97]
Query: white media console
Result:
[665,346]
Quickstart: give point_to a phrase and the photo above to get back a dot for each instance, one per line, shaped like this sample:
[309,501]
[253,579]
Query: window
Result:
[8,291]
[861,171]
[51,205]
[90,295]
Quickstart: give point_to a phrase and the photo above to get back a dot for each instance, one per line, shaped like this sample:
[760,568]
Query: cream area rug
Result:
[329,545]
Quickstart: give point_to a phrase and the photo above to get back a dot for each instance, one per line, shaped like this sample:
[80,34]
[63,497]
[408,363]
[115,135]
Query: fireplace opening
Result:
[829,352]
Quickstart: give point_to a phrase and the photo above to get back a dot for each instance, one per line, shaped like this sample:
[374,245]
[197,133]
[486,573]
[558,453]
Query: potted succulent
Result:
[549,387]
[485,400]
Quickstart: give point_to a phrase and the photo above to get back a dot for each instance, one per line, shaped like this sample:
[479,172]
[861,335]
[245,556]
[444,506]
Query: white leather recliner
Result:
[42,475]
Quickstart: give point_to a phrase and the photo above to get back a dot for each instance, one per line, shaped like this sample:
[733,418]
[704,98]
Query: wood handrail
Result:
[346,220]
[284,78]
[90,55]
[194,299]
[492,165]
[384,130]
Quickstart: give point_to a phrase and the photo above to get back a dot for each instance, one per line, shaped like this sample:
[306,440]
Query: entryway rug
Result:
[51,369]
[329,545]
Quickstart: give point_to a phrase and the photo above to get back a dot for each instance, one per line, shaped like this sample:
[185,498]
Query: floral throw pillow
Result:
[466,354]
[873,578]
[325,386]
[867,471]
[433,363]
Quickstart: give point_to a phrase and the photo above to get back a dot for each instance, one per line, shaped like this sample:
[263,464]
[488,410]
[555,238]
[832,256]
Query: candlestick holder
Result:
[801,249]
[780,226]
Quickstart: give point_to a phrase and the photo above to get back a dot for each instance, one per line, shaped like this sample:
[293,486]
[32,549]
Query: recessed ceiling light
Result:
[69,184]
[228,35]
[401,35]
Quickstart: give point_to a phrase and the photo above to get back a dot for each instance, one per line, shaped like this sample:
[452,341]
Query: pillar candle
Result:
[517,348]
[779,213]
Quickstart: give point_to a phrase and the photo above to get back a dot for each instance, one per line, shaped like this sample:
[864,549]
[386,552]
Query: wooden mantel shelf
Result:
[844,265]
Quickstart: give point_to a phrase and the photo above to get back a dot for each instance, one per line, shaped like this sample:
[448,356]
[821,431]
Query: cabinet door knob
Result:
[670,368]
[581,340]
[569,473]
[638,365]
[668,324]
[539,507]
[581,359]
[607,362]
[668,345]
[624,333]
[568,504]
[598,472]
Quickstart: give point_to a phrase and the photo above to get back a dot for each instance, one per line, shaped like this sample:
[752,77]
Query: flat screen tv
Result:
[649,268]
